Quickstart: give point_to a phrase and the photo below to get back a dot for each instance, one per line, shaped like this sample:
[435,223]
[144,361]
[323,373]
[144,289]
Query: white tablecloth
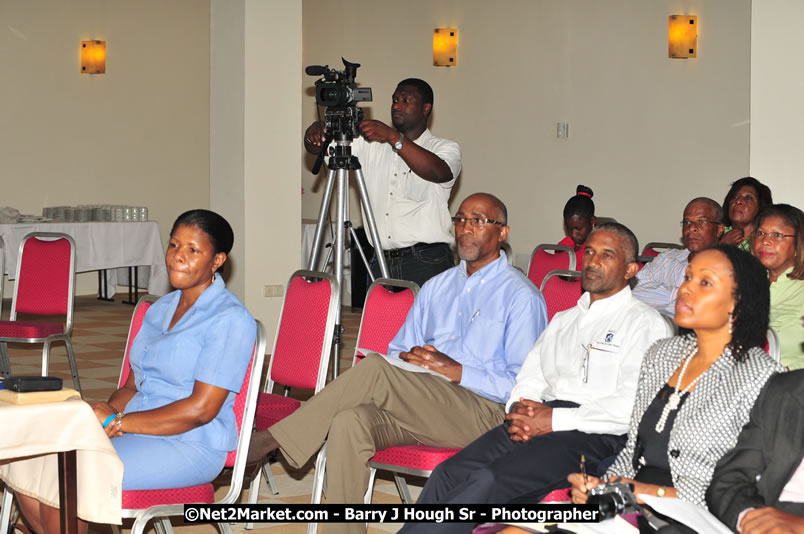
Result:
[32,434]
[102,245]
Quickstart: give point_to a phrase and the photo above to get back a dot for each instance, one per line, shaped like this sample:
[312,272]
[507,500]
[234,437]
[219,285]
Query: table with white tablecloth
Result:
[102,246]
[32,435]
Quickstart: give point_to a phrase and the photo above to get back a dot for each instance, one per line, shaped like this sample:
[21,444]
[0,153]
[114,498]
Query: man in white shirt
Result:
[409,175]
[573,395]
[659,280]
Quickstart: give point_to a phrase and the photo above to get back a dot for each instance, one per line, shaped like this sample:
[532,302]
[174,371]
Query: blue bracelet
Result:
[109,420]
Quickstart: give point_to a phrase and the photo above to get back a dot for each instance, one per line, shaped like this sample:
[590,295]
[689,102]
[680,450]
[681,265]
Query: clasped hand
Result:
[429,358]
[529,418]
[102,411]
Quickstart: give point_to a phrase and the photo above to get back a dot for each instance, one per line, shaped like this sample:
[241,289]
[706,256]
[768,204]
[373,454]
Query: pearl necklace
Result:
[675,398]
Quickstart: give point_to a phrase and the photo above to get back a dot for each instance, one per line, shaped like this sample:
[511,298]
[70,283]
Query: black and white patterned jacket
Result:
[708,423]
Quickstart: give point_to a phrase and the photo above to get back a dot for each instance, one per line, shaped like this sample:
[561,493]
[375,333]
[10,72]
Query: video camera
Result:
[338,92]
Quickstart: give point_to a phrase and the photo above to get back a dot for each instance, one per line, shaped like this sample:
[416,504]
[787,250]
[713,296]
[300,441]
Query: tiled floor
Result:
[99,338]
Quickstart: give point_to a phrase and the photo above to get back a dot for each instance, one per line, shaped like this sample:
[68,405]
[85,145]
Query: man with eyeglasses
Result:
[409,174]
[573,396]
[658,282]
[448,372]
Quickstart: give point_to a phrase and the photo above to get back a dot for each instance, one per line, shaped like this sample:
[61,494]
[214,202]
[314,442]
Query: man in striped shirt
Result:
[658,282]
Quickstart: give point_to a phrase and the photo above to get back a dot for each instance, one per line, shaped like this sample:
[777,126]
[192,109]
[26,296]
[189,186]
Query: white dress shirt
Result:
[591,355]
[407,208]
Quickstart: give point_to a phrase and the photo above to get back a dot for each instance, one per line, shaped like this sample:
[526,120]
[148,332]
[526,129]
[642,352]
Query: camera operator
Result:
[409,175]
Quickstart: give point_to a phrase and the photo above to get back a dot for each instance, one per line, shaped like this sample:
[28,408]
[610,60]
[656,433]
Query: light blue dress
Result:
[211,343]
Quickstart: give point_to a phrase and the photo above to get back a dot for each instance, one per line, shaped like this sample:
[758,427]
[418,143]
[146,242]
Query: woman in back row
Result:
[779,244]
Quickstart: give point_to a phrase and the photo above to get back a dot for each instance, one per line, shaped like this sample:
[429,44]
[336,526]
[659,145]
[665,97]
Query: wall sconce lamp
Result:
[93,57]
[445,47]
[682,36]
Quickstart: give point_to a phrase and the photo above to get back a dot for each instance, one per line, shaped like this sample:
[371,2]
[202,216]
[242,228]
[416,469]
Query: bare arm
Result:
[420,160]
[180,416]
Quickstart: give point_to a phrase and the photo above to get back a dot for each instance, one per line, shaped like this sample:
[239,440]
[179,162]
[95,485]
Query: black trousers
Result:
[417,263]
[495,469]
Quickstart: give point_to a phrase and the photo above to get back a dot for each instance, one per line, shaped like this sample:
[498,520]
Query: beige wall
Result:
[138,134]
[647,133]
[777,86]
[272,151]
[226,130]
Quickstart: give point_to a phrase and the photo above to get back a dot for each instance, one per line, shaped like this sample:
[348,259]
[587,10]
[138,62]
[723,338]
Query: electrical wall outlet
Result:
[274,291]
[562,130]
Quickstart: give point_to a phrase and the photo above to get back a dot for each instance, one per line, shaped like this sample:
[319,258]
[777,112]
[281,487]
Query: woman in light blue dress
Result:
[172,423]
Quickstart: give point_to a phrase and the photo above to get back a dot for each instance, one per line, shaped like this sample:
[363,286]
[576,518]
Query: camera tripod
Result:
[339,165]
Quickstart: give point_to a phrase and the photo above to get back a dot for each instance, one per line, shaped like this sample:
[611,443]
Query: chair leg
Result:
[318,483]
[73,366]
[5,365]
[370,490]
[269,476]
[45,357]
[402,487]
[162,525]
[5,510]
[225,528]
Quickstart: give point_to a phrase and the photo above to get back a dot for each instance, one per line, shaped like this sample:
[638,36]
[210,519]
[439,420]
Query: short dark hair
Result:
[581,205]
[630,242]
[708,201]
[794,217]
[764,196]
[218,229]
[421,86]
[752,301]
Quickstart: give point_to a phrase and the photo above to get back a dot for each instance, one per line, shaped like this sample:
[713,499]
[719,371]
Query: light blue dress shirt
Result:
[487,322]
[212,343]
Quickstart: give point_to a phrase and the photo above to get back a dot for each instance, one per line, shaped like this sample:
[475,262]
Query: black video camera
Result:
[338,92]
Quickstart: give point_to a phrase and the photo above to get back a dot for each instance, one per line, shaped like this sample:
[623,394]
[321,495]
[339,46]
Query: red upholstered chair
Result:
[558,496]
[560,294]
[45,287]
[144,505]
[384,313]
[300,356]
[653,248]
[542,262]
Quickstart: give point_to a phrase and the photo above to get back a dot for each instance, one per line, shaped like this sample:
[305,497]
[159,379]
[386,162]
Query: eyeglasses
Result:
[700,224]
[773,236]
[476,221]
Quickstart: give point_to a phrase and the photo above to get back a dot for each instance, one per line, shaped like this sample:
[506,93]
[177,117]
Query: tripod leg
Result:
[370,222]
[322,216]
[340,246]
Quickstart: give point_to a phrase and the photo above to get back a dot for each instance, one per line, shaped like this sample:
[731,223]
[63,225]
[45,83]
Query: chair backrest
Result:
[247,397]
[559,294]
[300,356]
[653,248]
[133,329]
[384,312]
[542,262]
[509,252]
[773,347]
[45,276]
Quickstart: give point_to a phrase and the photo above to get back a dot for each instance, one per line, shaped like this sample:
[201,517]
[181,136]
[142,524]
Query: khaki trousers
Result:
[375,406]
